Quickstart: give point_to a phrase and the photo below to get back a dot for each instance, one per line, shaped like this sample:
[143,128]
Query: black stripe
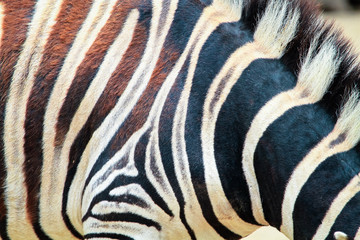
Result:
[166,123]
[220,45]
[142,178]
[3,232]
[105,194]
[36,106]
[107,235]
[40,232]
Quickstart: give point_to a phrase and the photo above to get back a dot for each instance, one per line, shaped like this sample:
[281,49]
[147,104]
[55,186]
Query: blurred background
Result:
[346,14]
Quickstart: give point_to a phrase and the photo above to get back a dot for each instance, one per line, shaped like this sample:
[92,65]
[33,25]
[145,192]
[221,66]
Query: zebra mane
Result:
[313,49]
[312,33]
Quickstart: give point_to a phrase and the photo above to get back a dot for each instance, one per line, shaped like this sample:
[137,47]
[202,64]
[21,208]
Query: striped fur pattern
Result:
[149,119]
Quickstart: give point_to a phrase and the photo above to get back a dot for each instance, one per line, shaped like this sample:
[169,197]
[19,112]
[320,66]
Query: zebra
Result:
[176,119]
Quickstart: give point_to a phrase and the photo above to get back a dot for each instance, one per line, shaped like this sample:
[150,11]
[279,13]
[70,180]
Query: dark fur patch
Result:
[340,139]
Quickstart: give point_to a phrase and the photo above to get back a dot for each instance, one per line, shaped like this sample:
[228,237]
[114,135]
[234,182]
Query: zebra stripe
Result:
[98,114]
[55,168]
[108,128]
[334,143]
[97,86]
[22,82]
[279,37]
[216,96]
[201,32]
[303,93]
[336,207]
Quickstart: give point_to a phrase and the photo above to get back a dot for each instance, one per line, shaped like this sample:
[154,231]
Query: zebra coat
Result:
[176,119]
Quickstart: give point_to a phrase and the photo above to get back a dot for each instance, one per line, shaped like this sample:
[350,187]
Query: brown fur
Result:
[137,118]
[69,21]
[87,70]
[115,87]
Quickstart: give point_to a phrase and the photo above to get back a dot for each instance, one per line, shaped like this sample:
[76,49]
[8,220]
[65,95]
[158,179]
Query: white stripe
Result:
[97,86]
[235,66]
[46,11]
[110,170]
[205,26]
[153,158]
[271,111]
[98,182]
[54,169]
[336,207]
[106,207]
[135,88]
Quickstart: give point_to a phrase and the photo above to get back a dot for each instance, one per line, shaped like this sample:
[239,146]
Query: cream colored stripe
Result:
[162,185]
[271,111]
[336,207]
[132,93]
[97,86]
[54,169]
[275,30]
[122,163]
[202,30]
[228,76]
[46,11]
[302,173]
[150,210]
[312,84]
